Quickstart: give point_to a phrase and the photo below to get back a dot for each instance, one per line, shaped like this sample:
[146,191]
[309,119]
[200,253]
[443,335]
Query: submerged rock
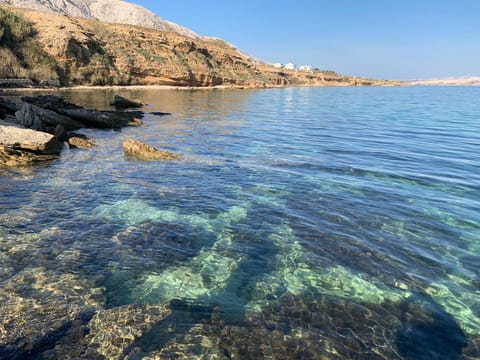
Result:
[143,151]
[159,113]
[39,308]
[121,102]
[25,146]
[114,331]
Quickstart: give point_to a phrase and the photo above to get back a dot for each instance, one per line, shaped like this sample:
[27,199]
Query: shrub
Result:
[10,67]
[21,55]
[14,29]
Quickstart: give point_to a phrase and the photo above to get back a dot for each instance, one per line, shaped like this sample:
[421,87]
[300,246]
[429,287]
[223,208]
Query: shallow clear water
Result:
[302,223]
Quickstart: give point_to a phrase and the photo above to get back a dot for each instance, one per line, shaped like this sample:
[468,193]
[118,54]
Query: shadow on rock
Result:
[37,349]
[428,332]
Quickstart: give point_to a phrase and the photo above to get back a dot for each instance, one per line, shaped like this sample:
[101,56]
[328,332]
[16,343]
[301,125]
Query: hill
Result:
[101,10]
[51,48]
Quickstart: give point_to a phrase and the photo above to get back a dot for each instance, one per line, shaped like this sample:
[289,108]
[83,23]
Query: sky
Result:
[386,39]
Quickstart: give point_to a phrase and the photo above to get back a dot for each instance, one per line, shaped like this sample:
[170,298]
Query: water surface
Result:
[303,223]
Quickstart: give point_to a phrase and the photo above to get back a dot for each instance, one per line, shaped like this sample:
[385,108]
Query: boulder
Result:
[80,141]
[37,118]
[121,102]
[20,146]
[142,151]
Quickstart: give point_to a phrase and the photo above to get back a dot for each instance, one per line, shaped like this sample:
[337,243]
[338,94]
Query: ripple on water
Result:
[304,223]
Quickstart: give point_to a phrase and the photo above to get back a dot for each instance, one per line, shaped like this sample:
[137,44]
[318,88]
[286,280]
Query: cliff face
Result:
[79,51]
[111,11]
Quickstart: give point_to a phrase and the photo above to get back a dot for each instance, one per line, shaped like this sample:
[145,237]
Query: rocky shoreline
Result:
[37,128]
[39,87]
[84,52]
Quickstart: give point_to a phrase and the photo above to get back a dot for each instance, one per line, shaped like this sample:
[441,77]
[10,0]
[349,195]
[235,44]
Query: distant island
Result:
[82,43]
[453,81]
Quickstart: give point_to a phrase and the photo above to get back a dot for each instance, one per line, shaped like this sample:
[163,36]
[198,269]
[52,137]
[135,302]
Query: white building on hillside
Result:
[278,66]
[290,66]
[307,68]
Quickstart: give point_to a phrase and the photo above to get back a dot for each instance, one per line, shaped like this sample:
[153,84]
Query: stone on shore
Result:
[20,146]
[121,102]
[143,151]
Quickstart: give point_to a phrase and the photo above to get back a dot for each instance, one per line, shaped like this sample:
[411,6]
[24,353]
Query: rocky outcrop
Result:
[8,107]
[50,102]
[56,108]
[41,124]
[80,141]
[103,119]
[20,146]
[125,13]
[37,118]
[121,102]
[143,151]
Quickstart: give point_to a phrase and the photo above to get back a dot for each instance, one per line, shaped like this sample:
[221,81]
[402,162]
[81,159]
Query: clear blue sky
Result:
[393,39]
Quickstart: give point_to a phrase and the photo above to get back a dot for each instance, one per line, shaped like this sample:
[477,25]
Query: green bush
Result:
[21,55]
[14,29]
[10,67]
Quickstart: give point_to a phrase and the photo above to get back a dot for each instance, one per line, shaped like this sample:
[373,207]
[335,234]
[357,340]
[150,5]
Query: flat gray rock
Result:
[20,146]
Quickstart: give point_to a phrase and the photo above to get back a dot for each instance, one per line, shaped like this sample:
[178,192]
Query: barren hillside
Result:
[79,51]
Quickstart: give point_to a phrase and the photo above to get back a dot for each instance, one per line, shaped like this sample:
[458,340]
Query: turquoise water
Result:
[303,223]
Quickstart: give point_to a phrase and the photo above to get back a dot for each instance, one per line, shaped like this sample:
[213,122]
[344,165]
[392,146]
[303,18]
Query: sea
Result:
[300,223]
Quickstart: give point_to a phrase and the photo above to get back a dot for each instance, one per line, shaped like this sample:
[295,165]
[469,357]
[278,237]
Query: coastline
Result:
[183,88]
[386,83]
[461,81]
[118,87]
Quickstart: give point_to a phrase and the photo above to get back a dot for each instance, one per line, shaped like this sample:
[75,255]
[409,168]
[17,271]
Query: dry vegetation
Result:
[21,55]
[42,46]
